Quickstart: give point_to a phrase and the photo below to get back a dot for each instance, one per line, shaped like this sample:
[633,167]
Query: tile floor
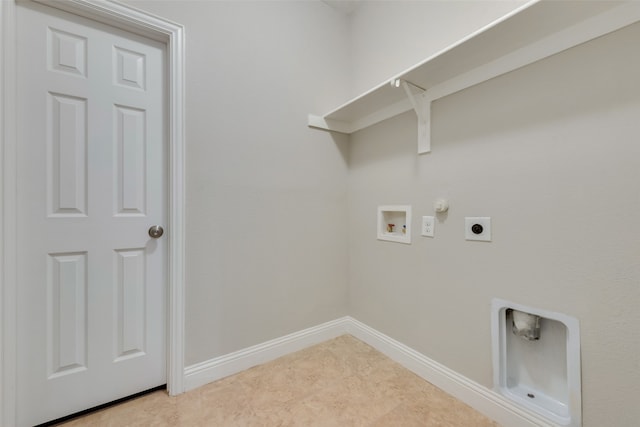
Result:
[342,382]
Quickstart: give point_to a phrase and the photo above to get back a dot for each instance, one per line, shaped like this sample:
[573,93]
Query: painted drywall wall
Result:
[388,37]
[266,246]
[547,151]
[550,152]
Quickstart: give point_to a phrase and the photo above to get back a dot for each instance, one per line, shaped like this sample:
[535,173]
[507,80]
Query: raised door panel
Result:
[129,68]
[66,155]
[67,52]
[130,305]
[130,161]
[66,313]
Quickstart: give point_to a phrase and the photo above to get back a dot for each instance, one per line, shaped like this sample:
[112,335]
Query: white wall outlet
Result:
[428,224]
[477,228]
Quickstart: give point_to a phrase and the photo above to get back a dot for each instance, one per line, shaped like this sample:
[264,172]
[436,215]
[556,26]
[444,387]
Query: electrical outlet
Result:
[428,224]
[477,228]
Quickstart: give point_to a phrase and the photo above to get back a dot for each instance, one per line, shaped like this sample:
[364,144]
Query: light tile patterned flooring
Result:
[342,382]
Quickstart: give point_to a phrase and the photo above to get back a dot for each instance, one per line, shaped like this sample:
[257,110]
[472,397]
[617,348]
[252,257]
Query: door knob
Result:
[156,231]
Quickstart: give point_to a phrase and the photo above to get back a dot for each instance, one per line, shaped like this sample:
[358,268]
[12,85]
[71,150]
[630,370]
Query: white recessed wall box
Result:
[394,223]
[540,372]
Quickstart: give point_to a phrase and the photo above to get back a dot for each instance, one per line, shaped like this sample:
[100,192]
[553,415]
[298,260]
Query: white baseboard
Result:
[485,401]
[480,398]
[214,369]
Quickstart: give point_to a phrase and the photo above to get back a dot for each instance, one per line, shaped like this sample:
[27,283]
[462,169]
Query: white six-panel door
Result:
[91,181]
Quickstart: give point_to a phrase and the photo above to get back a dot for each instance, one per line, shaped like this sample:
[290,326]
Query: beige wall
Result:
[266,245]
[281,218]
[388,37]
[551,153]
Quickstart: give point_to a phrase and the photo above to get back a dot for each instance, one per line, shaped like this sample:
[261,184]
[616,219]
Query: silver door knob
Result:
[156,231]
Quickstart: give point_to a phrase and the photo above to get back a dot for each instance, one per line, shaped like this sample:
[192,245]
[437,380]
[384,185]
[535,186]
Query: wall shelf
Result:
[530,33]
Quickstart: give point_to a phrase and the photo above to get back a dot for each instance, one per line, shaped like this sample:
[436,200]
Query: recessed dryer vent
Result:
[525,325]
[536,361]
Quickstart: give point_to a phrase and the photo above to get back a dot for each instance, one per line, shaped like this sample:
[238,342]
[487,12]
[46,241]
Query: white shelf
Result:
[533,32]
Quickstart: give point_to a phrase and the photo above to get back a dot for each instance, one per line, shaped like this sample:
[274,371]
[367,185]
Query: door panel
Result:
[66,313]
[91,181]
[66,155]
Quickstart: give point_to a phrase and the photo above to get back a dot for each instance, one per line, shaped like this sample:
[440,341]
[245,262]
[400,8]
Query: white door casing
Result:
[130,19]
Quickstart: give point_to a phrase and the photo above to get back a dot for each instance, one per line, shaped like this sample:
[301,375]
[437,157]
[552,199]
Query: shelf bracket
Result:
[421,104]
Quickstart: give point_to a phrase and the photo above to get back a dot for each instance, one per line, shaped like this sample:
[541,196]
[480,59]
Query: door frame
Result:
[139,22]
